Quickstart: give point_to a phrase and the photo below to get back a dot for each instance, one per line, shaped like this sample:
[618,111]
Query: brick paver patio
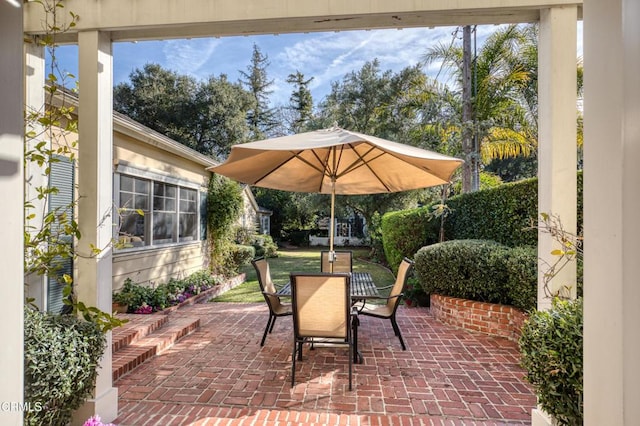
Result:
[219,375]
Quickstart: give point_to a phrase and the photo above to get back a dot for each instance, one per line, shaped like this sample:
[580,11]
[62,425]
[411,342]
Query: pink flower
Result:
[95,421]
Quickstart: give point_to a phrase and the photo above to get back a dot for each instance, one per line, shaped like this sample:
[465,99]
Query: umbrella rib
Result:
[257,181]
[355,165]
[321,170]
[307,162]
[361,162]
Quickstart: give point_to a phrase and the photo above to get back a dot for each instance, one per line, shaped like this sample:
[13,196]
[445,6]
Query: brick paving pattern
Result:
[219,375]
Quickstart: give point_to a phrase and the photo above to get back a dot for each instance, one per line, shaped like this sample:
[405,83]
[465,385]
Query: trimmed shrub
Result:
[480,270]
[468,269]
[299,238]
[501,214]
[521,265]
[405,231]
[551,348]
[264,246]
[242,255]
[61,355]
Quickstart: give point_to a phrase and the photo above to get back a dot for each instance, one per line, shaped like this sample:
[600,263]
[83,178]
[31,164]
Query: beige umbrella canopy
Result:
[336,161]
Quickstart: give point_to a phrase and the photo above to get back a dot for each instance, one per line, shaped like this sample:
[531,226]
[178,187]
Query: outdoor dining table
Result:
[362,288]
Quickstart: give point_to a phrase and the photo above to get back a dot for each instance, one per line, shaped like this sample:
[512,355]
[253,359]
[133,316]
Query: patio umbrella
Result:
[336,161]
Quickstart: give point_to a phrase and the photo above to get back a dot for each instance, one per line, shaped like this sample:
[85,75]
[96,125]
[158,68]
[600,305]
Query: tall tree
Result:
[378,103]
[261,117]
[220,122]
[207,116]
[159,99]
[469,168]
[301,101]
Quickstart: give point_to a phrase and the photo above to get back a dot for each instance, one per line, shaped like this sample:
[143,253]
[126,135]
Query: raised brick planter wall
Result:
[488,318]
[208,294]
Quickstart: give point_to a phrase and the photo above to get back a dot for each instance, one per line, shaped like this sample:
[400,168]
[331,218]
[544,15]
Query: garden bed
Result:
[214,291]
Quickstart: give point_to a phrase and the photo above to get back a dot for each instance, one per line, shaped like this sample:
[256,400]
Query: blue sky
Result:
[325,56]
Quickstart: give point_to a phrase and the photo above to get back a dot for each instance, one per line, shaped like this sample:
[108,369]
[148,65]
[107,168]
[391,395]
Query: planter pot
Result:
[118,308]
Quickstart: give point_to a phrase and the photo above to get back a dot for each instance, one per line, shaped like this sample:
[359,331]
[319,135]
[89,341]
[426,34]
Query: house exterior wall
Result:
[145,155]
[157,264]
[249,217]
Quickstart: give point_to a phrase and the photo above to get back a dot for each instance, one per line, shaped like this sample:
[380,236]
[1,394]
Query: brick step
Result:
[147,338]
[138,327]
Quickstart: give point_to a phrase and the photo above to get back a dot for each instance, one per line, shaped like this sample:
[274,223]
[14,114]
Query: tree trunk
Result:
[467,113]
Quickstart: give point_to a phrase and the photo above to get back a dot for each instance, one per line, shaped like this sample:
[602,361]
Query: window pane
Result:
[142,186]
[188,194]
[158,188]
[162,199]
[142,202]
[126,200]
[188,227]
[126,183]
[131,232]
[133,228]
[158,203]
[163,231]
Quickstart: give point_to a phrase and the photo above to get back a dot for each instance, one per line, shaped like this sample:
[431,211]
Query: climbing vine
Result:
[224,205]
[50,137]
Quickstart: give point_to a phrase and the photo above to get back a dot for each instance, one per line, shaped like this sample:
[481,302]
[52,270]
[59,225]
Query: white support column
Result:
[557,88]
[612,203]
[35,176]
[95,166]
[11,188]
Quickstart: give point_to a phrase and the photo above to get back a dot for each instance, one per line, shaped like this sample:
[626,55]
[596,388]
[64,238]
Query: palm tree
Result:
[504,111]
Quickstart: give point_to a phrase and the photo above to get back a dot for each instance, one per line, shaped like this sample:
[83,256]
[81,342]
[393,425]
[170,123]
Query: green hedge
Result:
[551,347]
[499,214]
[405,231]
[61,355]
[480,270]
[521,265]
[264,246]
[242,255]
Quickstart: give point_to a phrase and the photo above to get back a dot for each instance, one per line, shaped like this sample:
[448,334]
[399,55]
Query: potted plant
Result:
[121,301]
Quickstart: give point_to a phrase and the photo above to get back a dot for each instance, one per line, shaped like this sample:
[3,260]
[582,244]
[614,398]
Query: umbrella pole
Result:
[332,230]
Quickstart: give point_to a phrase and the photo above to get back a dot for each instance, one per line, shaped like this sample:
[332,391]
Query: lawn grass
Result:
[300,260]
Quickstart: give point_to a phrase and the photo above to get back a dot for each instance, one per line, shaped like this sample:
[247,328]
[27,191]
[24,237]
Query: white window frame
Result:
[153,176]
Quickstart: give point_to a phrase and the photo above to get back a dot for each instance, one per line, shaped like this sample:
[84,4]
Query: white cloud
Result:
[329,56]
[189,56]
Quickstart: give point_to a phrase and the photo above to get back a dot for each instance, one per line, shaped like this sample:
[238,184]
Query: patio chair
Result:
[343,261]
[268,289]
[322,314]
[388,310]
